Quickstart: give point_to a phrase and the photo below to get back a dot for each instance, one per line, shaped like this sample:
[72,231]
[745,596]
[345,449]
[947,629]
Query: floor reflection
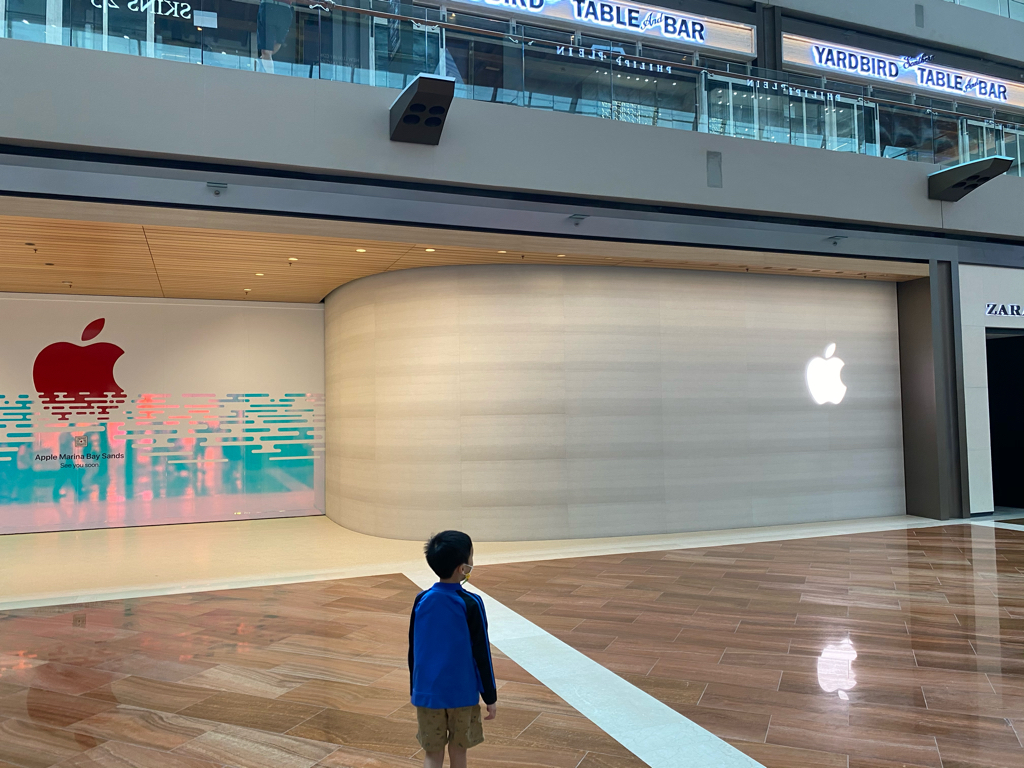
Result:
[894,648]
[835,669]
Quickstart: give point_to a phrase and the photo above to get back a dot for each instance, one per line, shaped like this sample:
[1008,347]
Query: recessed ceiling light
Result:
[429,250]
[292,258]
[360,250]
[247,289]
[560,256]
[259,274]
[502,251]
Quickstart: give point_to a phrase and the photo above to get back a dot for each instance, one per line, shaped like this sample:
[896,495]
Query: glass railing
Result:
[387,43]
[1011,9]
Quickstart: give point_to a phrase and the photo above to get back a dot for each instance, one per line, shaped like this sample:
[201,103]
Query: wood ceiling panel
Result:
[75,257]
[146,259]
[199,263]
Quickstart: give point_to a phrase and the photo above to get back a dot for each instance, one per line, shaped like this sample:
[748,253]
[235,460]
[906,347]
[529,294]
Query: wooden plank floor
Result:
[291,676]
[756,642]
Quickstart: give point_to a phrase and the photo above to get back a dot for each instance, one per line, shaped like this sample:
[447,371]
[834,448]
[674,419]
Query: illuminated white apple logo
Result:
[835,669]
[823,378]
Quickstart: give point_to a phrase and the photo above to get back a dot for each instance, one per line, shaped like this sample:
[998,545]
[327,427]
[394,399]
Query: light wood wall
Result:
[546,402]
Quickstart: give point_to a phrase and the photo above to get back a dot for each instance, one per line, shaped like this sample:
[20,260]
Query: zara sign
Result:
[634,18]
[916,72]
[1004,310]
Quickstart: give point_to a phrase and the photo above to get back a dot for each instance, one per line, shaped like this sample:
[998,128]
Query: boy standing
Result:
[450,656]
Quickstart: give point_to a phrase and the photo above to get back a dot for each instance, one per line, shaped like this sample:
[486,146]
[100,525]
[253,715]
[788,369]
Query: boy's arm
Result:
[412,634]
[481,645]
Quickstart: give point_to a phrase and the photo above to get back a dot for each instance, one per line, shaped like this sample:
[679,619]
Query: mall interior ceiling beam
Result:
[955,183]
[419,113]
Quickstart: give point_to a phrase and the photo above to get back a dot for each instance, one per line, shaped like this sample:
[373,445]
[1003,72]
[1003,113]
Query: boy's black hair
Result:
[446,551]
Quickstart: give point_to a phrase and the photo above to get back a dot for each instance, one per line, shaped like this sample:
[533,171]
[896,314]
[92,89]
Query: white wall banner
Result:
[915,71]
[688,29]
[122,412]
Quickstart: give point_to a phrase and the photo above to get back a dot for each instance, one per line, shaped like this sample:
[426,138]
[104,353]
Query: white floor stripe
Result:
[998,524]
[652,731]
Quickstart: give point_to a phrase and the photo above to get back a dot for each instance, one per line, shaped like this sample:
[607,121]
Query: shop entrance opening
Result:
[1006,415]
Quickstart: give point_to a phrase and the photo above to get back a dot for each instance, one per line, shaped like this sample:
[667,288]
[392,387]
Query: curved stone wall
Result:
[537,402]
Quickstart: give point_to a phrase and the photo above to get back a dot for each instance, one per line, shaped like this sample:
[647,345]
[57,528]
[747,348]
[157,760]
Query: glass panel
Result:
[670,57]
[731,108]
[675,98]
[807,121]
[773,116]
[978,140]
[240,35]
[485,67]
[1013,146]
[905,133]
[346,47]
[404,49]
[847,126]
[543,33]
[945,140]
[25,20]
[567,78]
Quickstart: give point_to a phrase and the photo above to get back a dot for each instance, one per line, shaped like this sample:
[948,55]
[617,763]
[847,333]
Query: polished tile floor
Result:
[869,650]
[268,677]
[880,650]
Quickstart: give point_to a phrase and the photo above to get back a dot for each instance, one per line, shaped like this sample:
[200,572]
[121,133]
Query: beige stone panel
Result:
[572,401]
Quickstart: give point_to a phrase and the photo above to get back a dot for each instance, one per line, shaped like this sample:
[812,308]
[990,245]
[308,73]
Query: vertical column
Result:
[931,405]
[769,36]
[947,403]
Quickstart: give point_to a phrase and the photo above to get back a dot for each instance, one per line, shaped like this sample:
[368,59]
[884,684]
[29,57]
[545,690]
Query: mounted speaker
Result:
[418,114]
[955,183]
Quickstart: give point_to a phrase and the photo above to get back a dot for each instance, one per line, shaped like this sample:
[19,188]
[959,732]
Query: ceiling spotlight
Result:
[502,251]
[259,274]
[360,250]
[247,289]
[560,256]
[292,258]
[429,250]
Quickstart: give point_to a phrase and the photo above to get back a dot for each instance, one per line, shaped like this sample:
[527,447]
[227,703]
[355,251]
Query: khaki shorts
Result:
[459,727]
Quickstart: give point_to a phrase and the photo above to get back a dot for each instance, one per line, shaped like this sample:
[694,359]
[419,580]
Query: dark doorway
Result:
[1006,416]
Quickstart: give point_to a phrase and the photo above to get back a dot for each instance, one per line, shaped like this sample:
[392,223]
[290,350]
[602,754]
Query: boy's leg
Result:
[432,735]
[456,756]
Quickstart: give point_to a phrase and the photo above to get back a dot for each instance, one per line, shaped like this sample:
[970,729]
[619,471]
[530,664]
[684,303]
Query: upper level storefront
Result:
[1011,9]
[616,60]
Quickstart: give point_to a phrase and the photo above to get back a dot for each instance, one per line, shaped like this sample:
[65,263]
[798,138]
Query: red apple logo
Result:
[75,380]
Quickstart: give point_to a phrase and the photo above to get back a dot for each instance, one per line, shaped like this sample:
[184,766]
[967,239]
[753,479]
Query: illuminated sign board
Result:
[633,18]
[910,71]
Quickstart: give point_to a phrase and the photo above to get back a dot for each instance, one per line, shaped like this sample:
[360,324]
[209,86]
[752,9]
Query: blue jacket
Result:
[449,650]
